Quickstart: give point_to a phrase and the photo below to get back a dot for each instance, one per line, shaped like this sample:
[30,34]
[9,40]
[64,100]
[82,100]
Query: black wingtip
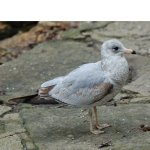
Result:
[134,52]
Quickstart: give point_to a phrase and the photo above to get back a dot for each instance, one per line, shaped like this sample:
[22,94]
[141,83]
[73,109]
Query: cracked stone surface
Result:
[46,127]
[11,143]
[12,132]
[47,60]
[137,85]
[126,29]
[4,109]
[64,128]
[134,34]
[12,125]
[76,34]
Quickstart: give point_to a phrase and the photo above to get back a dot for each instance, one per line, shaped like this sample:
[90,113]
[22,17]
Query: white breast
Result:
[117,71]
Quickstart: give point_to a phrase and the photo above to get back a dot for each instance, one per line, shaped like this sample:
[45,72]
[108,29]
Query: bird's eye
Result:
[116,48]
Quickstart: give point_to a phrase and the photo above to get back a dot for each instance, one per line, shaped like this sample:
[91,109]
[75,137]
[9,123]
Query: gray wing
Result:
[83,86]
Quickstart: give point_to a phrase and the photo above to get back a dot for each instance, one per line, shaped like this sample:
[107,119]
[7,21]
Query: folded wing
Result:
[83,86]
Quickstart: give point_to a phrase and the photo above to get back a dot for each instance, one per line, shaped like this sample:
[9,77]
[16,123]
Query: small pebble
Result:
[70,136]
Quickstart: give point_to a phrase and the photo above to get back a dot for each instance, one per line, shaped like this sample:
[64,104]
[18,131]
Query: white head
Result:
[114,47]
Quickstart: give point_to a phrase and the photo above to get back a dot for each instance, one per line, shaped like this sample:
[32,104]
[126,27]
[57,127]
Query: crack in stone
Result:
[28,134]
[103,26]
[23,144]
[7,112]
[19,132]
[88,36]
[4,135]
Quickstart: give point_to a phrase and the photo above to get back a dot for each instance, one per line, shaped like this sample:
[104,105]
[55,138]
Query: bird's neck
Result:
[116,67]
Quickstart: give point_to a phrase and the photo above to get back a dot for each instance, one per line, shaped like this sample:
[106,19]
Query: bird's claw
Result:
[102,126]
[95,131]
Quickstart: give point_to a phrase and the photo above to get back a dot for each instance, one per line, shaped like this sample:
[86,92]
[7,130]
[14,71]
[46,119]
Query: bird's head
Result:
[114,47]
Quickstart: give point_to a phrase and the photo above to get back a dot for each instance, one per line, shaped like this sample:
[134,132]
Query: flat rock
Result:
[23,76]
[140,100]
[83,27]
[11,124]
[139,64]
[140,85]
[4,109]
[134,34]
[66,128]
[126,29]
[11,143]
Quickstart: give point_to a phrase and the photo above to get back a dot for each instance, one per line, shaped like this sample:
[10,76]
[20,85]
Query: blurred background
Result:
[17,37]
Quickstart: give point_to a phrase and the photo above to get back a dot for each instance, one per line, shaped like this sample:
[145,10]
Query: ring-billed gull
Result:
[92,84]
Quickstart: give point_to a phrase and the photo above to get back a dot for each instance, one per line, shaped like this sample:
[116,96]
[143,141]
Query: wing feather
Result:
[83,86]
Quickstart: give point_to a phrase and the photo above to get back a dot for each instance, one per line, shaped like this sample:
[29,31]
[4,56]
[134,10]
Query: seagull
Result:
[92,84]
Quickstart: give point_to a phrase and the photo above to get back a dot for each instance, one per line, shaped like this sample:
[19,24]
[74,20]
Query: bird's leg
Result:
[96,118]
[99,126]
[94,131]
[91,119]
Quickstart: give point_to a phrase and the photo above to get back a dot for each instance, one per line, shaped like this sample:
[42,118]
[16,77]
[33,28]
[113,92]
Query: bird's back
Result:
[81,86]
